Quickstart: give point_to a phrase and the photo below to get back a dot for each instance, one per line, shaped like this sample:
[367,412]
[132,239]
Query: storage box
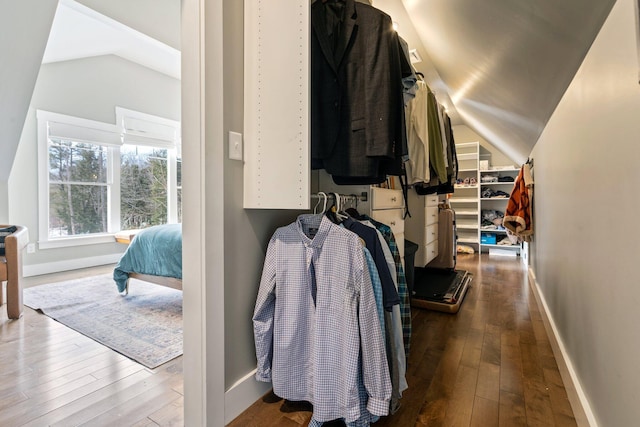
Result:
[487,238]
[484,165]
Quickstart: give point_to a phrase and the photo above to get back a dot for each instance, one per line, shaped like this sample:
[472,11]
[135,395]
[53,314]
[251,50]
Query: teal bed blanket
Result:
[155,250]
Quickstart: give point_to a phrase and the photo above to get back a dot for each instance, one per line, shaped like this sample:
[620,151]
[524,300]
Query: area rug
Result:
[145,325]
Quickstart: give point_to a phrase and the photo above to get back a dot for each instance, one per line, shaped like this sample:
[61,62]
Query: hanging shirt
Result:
[370,237]
[316,347]
[436,147]
[418,137]
[403,290]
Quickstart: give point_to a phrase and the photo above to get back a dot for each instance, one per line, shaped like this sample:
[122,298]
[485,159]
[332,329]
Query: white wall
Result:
[585,255]
[159,19]
[89,88]
[249,230]
[22,43]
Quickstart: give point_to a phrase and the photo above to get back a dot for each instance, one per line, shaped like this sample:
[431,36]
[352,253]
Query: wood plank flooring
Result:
[51,375]
[490,364]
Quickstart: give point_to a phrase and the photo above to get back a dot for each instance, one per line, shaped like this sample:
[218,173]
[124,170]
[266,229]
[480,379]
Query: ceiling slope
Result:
[506,63]
[25,29]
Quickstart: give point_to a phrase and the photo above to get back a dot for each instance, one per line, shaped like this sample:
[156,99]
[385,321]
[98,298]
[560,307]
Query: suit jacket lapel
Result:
[320,28]
[350,16]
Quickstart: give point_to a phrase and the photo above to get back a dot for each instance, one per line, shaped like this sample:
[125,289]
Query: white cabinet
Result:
[387,206]
[422,226]
[465,198]
[495,187]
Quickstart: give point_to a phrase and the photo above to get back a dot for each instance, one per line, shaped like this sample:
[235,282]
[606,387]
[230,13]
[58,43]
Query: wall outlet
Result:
[31,248]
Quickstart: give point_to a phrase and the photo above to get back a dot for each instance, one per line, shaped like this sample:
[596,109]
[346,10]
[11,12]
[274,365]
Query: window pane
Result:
[143,186]
[71,161]
[77,209]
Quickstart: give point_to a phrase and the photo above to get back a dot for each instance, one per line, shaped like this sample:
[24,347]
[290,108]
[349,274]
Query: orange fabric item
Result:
[517,217]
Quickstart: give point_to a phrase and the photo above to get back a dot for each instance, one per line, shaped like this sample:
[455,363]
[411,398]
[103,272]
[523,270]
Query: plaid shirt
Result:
[316,339]
[403,290]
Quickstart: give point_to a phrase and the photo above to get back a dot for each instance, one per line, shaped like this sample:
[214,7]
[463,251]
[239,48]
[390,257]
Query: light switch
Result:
[235,146]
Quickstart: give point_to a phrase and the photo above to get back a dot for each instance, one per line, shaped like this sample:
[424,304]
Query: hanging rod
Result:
[362,197]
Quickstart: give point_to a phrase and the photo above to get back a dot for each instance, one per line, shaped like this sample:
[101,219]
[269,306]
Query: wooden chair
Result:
[11,270]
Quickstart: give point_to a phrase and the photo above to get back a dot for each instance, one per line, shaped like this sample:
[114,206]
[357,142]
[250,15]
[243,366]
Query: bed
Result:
[154,255]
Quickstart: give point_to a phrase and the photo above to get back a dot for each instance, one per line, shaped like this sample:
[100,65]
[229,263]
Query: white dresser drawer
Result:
[431,251]
[431,215]
[384,198]
[431,233]
[431,200]
[390,217]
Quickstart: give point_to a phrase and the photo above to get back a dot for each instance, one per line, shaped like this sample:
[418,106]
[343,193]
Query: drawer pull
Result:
[393,223]
[393,199]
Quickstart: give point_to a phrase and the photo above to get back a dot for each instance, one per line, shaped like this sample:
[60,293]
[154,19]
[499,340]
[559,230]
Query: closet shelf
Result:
[468,240]
[463,200]
[499,170]
[466,212]
[496,183]
[494,198]
[485,245]
[464,186]
[468,156]
[468,170]
[488,230]
[467,226]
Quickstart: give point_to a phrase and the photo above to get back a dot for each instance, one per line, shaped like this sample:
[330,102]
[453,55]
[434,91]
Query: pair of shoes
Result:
[473,181]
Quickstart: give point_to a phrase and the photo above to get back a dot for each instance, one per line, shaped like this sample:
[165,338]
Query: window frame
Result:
[113,136]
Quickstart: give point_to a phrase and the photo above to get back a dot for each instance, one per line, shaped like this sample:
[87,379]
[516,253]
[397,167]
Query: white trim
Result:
[71,264]
[243,394]
[79,240]
[579,403]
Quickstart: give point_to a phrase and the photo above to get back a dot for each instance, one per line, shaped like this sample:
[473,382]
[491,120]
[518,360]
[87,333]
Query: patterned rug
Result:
[145,325]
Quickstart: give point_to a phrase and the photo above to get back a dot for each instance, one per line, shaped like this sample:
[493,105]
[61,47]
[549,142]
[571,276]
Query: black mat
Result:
[433,283]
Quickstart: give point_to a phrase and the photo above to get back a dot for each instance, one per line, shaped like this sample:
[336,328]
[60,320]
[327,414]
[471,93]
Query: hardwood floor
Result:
[490,364]
[51,375]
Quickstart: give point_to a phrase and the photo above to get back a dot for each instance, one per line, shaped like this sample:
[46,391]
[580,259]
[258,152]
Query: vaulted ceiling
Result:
[501,66]
[498,66]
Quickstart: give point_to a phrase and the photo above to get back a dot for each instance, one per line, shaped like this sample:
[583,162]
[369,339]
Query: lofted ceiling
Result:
[498,66]
[80,32]
[502,66]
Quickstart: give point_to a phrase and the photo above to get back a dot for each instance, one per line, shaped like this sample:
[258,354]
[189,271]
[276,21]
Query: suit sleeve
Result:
[263,315]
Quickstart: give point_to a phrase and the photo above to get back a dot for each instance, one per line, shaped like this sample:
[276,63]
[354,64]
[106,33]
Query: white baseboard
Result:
[244,393]
[579,404]
[71,264]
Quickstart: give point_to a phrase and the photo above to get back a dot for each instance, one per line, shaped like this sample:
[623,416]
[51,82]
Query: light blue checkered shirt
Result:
[312,336]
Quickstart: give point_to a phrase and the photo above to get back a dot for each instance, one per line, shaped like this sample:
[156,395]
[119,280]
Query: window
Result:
[97,178]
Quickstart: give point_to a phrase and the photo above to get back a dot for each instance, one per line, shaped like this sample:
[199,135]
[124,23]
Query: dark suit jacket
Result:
[357,115]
